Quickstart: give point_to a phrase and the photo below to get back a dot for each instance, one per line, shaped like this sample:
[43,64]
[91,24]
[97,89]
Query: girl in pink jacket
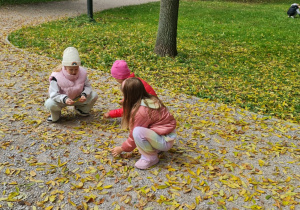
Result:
[120,72]
[152,127]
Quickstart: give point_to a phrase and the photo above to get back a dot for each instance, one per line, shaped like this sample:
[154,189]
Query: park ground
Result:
[225,157]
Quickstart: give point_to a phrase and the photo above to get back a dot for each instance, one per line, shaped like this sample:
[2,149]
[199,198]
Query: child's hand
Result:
[69,101]
[106,115]
[82,99]
[116,151]
[121,102]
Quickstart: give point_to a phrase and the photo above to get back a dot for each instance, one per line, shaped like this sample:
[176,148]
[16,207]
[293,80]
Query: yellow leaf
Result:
[127,200]
[46,199]
[261,162]
[72,203]
[79,132]
[216,184]
[7,171]
[52,198]
[99,184]
[162,186]
[270,180]
[153,188]
[191,207]
[243,191]
[176,188]
[197,187]
[198,199]
[198,171]
[32,173]
[80,185]
[129,188]
[61,197]
[13,183]
[85,206]
[221,193]
[107,186]
[260,191]
[191,172]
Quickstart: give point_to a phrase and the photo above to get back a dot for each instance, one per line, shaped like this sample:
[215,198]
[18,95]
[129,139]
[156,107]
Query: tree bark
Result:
[167,28]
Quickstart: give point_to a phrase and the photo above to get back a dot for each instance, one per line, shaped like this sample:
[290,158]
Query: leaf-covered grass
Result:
[237,53]
[12,2]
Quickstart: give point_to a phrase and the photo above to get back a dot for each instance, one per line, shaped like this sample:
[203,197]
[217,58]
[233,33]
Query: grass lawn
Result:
[237,53]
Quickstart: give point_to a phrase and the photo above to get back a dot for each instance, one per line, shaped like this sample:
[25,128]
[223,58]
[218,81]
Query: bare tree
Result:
[167,28]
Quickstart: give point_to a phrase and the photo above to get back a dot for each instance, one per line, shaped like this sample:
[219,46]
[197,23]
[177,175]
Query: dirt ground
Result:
[224,157]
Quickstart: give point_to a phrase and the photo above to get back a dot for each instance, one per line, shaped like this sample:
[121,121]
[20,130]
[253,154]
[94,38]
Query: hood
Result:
[151,104]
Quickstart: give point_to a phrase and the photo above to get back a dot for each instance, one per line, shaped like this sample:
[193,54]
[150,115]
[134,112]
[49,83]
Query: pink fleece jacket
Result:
[162,122]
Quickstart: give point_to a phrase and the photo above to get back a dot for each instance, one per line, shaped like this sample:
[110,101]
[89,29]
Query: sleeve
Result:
[87,88]
[148,88]
[54,91]
[140,120]
[116,113]
[128,145]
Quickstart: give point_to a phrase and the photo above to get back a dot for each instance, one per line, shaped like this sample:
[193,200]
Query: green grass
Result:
[237,53]
[12,2]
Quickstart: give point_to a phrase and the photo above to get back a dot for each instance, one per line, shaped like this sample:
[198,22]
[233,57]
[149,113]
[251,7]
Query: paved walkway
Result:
[224,156]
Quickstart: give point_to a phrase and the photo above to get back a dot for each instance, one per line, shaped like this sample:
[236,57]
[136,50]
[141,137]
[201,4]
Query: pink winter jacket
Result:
[162,122]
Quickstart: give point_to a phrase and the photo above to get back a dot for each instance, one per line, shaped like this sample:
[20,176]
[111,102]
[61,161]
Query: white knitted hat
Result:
[71,57]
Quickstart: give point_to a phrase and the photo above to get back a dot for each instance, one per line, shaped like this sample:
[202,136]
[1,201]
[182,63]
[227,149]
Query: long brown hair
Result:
[134,91]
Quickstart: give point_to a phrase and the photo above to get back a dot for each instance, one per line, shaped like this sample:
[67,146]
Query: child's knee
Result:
[94,96]
[49,103]
[52,105]
[138,132]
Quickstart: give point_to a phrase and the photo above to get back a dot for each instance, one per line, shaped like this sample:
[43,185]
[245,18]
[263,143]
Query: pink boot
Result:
[144,163]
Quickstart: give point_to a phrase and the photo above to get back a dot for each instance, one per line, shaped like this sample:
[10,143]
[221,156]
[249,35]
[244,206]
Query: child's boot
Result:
[54,117]
[146,160]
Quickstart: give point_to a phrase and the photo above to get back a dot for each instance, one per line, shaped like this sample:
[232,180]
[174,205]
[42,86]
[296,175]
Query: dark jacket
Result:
[292,10]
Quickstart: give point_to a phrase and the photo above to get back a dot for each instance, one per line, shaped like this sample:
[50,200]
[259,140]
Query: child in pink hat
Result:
[120,72]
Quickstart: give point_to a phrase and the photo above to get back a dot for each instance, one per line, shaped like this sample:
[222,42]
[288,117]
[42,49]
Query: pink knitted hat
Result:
[120,70]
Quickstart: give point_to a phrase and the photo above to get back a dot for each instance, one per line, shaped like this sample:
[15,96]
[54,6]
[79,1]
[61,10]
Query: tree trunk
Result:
[167,28]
